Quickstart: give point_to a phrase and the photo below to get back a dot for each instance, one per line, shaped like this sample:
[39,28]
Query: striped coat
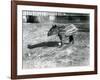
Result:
[67,30]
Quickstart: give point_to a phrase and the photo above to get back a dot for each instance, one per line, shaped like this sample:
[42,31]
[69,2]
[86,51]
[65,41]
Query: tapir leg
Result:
[71,39]
[60,37]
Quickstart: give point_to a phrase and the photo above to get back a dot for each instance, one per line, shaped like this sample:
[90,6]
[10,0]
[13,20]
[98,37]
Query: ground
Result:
[41,51]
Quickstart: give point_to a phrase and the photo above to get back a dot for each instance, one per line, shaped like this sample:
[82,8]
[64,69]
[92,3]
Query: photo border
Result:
[14,39]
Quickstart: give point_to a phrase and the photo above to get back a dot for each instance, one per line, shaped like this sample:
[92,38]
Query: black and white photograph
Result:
[55,39]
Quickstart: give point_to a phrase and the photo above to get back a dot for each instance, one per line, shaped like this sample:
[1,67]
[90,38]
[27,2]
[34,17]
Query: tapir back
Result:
[68,29]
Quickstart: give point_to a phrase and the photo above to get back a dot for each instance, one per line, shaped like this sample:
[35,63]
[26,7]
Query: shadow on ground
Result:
[44,45]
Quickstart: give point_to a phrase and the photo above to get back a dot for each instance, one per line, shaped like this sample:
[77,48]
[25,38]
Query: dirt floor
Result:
[41,51]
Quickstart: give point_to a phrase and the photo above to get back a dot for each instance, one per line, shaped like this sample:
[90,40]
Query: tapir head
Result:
[53,30]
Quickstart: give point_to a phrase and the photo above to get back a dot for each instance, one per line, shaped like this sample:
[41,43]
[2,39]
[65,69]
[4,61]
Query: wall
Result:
[5,36]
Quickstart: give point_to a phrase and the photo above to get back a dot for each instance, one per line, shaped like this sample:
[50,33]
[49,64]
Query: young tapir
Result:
[63,31]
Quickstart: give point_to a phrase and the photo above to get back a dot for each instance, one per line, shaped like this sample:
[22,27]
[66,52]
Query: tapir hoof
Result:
[59,44]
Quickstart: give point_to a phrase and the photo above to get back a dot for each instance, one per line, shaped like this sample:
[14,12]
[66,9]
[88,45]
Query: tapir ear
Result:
[54,26]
